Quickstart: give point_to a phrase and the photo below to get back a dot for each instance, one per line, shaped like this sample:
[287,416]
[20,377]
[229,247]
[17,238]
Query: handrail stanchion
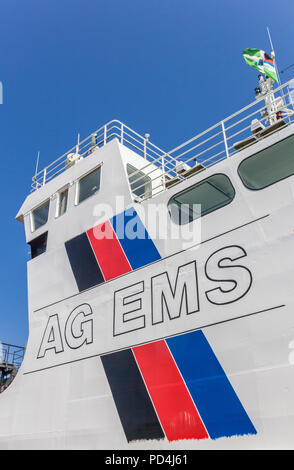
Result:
[163,171]
[225,139]
[290,93]
[44,176]
[105,134]
[122,134]
[145,140]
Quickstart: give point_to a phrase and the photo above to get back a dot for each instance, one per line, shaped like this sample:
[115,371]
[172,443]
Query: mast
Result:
[274,107]
[273,54]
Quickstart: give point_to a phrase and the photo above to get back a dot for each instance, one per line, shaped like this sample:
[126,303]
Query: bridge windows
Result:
[269,166]
[140,183]
[88,185]
[39,216]
[200,199]
[62,202]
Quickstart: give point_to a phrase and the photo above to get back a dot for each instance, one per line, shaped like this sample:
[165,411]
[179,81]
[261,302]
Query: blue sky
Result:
[167,67]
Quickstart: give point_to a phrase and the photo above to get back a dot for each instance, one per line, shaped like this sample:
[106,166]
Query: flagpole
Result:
[276,66]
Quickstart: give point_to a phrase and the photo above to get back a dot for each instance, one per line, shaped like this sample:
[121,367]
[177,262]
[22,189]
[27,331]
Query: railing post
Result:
[122,134]
[146,139]
[105,134]
[225,139]
[290,95]
[163,171]
[78,145]
[44,176]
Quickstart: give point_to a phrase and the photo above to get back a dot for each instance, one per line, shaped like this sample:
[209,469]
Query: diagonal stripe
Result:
[174,406]
[132,401]
[83,262]
[219,407]
[108,251]
[134,239]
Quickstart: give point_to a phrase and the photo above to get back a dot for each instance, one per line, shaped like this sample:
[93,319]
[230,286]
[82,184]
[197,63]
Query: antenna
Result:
[37,164]
[270,39]
[274,55]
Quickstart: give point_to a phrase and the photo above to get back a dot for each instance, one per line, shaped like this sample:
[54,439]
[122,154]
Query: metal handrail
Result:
[185,152]
[112,129]
[219,135]
[11,355]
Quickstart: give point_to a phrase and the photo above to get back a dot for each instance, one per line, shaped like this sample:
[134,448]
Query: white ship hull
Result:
[210,322]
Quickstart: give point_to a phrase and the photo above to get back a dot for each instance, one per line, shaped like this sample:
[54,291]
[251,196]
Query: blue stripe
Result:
[134,239]
[216,401]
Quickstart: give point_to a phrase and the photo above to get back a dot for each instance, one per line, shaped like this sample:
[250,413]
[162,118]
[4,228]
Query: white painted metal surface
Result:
[61,398]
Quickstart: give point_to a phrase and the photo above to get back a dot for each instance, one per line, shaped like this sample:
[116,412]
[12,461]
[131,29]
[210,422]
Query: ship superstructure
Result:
[160,294]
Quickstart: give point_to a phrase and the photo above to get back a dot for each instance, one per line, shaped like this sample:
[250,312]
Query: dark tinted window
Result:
[269,166]
[39,245]
[201,199]
[89,185]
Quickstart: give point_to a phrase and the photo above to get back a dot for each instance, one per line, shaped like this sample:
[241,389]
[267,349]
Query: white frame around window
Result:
[141,181]
[229,197]
[57,210]
[77,194]
[33,228]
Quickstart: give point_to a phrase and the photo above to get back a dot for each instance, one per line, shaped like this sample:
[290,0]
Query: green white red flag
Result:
[261,61]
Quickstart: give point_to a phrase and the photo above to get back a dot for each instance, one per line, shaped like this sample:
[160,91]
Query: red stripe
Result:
[171,399]
[108,251]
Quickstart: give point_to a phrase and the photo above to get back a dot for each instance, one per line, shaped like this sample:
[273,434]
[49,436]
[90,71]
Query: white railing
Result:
[225,138]
[113,129]
[207,148]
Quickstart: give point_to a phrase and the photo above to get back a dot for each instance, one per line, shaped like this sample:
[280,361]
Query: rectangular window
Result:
[269,166]
[40,216]
[38,245]
[210,194]
[62,202]
[140,183]
[89,185]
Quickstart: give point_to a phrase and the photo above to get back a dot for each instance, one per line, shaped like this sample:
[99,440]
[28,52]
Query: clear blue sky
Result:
[167,67]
